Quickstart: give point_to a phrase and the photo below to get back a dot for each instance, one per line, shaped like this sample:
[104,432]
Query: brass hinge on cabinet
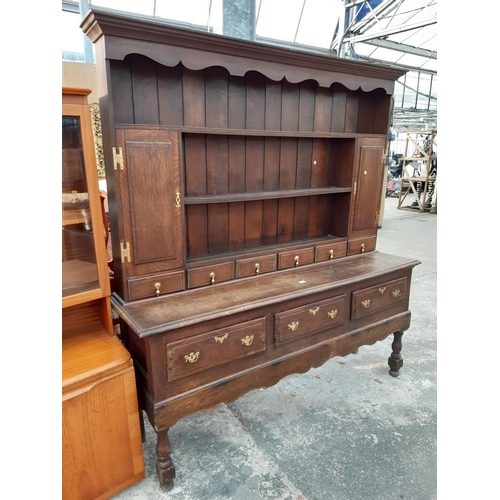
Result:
[355,188]
[118,158]
[377,216]
[125,252]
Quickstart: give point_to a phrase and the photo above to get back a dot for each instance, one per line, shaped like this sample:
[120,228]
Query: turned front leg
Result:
[395,360]
[164,467]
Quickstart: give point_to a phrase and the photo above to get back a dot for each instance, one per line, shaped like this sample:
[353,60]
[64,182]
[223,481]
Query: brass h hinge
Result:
[125,252]
[377,216]
[355,188]
[118,158]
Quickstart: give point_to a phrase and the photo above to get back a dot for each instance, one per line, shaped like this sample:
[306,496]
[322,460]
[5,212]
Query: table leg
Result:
[395,360]
[164,467]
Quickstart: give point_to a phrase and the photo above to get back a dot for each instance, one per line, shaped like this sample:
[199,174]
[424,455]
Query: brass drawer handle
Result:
[257,268]
[331,254]
[382,290]
[192,357]
[157,288]
[293,326]
[221,338]
[212,278]
[396,293]
[332,314]
[313,311]
[366,303]
[296,260]
[247,340]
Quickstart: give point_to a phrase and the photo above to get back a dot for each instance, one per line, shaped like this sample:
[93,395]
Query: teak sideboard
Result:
[244,185]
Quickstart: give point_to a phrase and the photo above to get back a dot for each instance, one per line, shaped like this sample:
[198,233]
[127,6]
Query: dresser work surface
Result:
[169,312]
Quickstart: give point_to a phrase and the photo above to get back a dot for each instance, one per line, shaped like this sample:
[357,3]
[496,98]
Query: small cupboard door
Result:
[367,188]
[151,200]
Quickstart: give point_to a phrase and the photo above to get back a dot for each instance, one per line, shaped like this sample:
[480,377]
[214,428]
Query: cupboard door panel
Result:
[369,178]
[150,190]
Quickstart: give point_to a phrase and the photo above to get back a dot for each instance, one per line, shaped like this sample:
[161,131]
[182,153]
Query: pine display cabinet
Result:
[101,437]
[244,186]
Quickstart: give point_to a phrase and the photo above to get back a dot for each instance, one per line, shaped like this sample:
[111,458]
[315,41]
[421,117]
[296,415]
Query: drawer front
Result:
[362,245]
[210,275]
[141,288]
[214,348]
[370,300]
[310,318]
[296,258]
[255,266]
[330,251]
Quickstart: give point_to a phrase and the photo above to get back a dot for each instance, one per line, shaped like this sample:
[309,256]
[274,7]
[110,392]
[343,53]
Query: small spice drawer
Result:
[255,266]
[296,258]
[310,318]
[330,251]
[369,300]
[210,275]
[214,348]
[361,246]
[160,284]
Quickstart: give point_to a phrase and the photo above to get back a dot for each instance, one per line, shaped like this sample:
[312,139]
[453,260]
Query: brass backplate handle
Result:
[332,314]
[221,338]
[257,268]
[366,303]
[293,326]
[362,248]
[247,340]
[396,293]
[157,288]
[296,260]
[382,290]
[314,310]
[192,357]
[212,278]
[331,254]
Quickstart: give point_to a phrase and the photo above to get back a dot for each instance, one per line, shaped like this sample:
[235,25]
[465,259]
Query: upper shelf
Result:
[263,195]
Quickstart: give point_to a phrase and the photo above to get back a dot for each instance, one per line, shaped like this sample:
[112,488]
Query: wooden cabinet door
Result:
[150,193]
[367,187]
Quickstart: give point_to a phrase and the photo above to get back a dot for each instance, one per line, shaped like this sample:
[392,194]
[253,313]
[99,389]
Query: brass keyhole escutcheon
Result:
[247,340]
[366,303]
[293,326]
[257,268]
[212,278]
[192,357]
[362,248]
[296,260]
[157,288]
[396,293]
[382,290]
[314,311]
[331,254]
[221,338]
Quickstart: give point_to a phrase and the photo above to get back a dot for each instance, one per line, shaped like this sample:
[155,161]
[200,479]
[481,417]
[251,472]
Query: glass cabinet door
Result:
[79,265]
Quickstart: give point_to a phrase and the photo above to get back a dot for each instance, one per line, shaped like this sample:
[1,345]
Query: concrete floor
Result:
[344,431]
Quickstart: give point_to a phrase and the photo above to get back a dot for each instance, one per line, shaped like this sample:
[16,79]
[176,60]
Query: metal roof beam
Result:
[69,6]
[401,47]
[389,31]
